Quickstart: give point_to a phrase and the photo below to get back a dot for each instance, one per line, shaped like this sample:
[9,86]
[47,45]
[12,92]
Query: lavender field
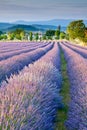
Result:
[31,82]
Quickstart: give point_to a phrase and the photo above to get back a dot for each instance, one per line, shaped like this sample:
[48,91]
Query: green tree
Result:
[22,34]
[62,35]
[44,37]
[31,36]
[19,33]
[49,37]
[67,36]
[76,29]
[59,28]
[1,37]
[57,34]
[50,32]
[11,36]
[17,36]
[4,36]
[36,36]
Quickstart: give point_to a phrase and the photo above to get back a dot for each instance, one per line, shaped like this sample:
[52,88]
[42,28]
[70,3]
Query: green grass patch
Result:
[65,93]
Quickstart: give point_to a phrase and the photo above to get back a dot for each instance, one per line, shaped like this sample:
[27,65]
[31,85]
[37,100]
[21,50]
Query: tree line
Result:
[76,30]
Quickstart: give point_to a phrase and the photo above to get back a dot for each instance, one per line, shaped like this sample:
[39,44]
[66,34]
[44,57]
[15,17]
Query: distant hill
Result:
[5,25]
[55,22]
[34,27]
[45,27]
[24,27]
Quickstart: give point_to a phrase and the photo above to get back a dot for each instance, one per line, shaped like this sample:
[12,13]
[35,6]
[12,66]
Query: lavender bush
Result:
[10,53]
[14,45]
[81,51]
[77,71]
[17,46]
[30,99]
[76,45]
[55,52]
[16,63]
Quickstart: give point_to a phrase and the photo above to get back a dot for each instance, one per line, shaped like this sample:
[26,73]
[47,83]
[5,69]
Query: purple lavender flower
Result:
[29,100]
[77,72]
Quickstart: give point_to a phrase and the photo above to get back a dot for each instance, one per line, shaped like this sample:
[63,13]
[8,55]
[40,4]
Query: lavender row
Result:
[7,55]
[81,51]
[29,101]
[5,45]
[16,63]
[76,45]
[51,56]
[77,71]
[19,46]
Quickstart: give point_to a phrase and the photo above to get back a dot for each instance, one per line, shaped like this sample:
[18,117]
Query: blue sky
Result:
[30,10]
